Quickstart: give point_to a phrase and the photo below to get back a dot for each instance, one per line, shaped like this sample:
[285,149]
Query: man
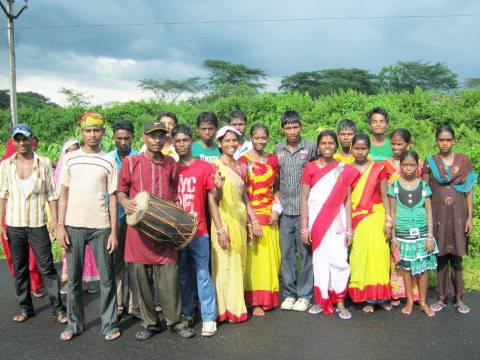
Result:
[84,218]
[346,130]
[157,174]
[196,181]
[206,148]
[293,155]
[170,120]
[123,133]
[238,120]
[26,184]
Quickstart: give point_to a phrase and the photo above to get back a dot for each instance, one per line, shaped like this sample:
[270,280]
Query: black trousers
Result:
[19,239]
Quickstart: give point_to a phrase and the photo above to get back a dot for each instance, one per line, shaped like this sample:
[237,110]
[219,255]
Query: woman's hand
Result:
[223,240]
[429,244]
[388,232]
[348,239]
[274,218]
[218,179]
[257,230]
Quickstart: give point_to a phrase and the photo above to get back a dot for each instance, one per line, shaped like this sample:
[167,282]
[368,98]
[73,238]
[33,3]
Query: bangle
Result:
[60,224]
[304,231]
[349,233]
[388,217]
[221,231]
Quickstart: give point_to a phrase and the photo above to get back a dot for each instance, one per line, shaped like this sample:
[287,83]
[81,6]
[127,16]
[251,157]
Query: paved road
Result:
[279,335]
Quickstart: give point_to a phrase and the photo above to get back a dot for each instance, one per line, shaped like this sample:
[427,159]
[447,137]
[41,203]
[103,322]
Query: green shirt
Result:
[202,153]
[382,152]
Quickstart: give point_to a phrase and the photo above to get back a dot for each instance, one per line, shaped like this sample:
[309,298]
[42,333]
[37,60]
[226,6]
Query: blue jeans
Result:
[194,260]
[291,245]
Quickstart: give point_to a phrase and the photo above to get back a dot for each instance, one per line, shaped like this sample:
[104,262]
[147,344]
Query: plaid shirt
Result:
[27,209]
[291,165]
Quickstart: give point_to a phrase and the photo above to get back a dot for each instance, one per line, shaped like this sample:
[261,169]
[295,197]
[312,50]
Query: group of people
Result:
[352,215]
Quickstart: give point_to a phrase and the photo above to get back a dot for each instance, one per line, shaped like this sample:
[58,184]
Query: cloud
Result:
[108,61]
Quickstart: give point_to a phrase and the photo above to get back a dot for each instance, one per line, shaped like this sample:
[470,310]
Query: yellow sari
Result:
[370,253]
[228,265]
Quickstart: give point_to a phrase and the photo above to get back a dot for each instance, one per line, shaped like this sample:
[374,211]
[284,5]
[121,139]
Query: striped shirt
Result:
[291,165]
[26,199]
[88,176]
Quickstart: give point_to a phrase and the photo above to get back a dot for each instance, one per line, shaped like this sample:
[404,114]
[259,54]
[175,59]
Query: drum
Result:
[163,221]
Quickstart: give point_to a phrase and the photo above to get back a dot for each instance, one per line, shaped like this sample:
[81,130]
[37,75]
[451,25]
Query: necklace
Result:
[363,167]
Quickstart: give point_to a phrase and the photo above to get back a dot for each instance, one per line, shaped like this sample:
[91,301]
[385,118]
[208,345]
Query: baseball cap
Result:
[23,129]
[221,132]
[151,126]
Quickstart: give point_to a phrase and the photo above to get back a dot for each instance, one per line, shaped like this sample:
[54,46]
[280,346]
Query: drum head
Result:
[142,200]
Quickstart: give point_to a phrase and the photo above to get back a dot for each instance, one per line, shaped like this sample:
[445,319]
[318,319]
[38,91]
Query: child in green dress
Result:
[412,234]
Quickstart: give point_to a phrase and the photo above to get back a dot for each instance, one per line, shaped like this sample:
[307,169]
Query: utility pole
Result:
[11,55]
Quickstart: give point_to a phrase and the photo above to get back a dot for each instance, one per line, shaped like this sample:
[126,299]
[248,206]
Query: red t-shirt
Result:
[194,181]
[160,178]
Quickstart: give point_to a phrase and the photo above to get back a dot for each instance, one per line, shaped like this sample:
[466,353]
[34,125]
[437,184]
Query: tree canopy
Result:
[170,90]
[406,76]
[327,81]
[28,99]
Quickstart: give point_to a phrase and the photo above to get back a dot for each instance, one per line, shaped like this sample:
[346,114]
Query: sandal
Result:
[462,309]
[66,335]
[438,306]
[38,294]
[344,314]
[20,317]
[395,303]
[113,336]
[386,306]
[62,318]
[368,309]
[315,309]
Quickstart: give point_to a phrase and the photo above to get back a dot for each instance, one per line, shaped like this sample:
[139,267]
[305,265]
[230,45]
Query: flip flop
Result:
[462,309]
[386,306]
[344,314]
[38,294]
[438,306]
[368,309]
[113,336]
[315,309]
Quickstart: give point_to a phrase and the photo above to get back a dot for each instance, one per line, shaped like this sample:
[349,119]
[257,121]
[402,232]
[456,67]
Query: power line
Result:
[260,20]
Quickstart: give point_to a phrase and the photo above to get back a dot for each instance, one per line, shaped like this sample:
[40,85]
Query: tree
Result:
[169,90]
[472,83]
[227,78]
[406,76]
[76,98]
[327,81]
[25,99]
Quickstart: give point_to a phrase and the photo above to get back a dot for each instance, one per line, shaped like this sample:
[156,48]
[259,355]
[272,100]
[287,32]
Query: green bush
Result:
[420,112]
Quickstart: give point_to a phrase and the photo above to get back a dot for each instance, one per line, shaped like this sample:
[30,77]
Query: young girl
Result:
[372,225]
[451,178]
[400,141]
[412,234]
[326,224]
[263,257]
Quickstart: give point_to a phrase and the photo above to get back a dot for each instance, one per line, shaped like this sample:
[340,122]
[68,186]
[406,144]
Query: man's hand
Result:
[274,218]
[218,179]
[306,238]
[62,236]
[468,227]
[130,206]
[3,232]
[112,243]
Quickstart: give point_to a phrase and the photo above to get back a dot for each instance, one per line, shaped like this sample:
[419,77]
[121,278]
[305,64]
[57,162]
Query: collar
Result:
[300,146]
[159,161]
[35,159]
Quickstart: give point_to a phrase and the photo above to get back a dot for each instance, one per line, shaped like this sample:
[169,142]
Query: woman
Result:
[451,178]
[326,224]
[263,257]
[90,272]
[229,230]
[372,225]
[400,142]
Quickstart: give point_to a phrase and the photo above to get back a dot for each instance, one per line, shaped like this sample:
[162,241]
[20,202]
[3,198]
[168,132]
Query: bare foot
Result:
[66,335]
[20,317]
[113,336]
[258,311]
[368,308]
[427,310]
[407,309]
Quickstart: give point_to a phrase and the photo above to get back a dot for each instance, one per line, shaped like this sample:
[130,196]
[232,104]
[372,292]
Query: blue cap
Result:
[23,129]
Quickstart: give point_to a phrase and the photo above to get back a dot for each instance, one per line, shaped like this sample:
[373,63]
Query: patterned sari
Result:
[263,257]
[228,265]
[370,253]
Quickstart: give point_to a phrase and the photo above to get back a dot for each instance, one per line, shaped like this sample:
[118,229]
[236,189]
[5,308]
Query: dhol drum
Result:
[163,221]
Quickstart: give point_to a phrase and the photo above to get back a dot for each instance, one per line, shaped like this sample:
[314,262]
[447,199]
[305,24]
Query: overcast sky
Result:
[108,61]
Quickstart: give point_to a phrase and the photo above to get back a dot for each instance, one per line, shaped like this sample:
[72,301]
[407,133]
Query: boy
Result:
[293,155]
[346,130]
[238,120]
[380,148]
[206,149]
